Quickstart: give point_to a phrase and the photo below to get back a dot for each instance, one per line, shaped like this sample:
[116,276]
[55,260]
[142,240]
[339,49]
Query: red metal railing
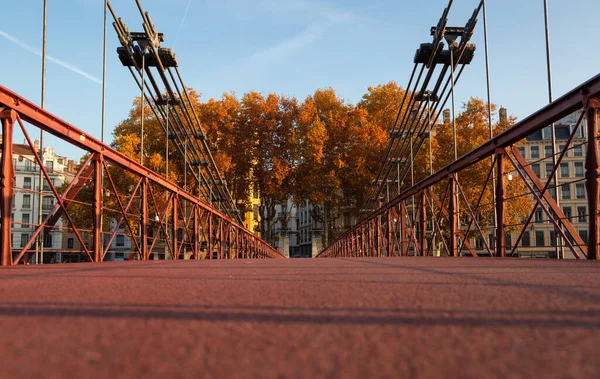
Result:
[184,225]
[399,229]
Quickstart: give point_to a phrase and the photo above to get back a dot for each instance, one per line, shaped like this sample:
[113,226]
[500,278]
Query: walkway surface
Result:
[362,318]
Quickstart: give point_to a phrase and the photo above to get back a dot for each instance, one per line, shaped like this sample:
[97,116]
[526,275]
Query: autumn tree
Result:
[472,130]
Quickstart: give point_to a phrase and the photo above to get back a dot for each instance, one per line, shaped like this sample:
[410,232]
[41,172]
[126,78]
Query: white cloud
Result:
[286,48]
[59,62]
[323,17]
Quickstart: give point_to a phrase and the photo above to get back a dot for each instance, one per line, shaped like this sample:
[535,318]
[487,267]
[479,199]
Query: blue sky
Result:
[289,47]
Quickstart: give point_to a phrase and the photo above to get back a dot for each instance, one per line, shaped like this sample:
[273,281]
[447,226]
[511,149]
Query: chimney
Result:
[502,114]
[447,116]
[36,145]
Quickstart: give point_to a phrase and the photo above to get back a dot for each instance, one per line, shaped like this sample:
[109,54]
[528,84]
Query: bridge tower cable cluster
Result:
[143,55]
[422,104]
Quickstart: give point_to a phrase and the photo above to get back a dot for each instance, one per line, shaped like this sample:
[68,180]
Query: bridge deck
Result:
[392,317]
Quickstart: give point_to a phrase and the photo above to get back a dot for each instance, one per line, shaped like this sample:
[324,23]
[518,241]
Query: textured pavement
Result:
[334,318]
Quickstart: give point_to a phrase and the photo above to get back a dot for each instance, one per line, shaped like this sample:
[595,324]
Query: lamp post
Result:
[559,250]
[40,241]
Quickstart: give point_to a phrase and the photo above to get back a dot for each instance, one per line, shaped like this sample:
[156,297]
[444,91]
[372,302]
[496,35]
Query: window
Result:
[120,240]
[534,151]
[539,238]
[547,133]
[584,235]
[27,182]
[28,165]
[579,169]
[580,190]
[536,169]
[549,169]
[552,192]
[564,170]
[479,243]
[539,215]
[50,166]
[552,238]
[24,239]
[48,241]
[562,148]
[566,191]
[25,220]
[47,203]
[547,151]
[70,243]
[581,214]
[578,151]
[567,212]
[26,201]
[526,240]
[508,241]
[579,133]
[522,150]
[346,219]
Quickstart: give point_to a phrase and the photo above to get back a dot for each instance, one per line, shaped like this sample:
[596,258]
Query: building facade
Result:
[541,239]
[26,201]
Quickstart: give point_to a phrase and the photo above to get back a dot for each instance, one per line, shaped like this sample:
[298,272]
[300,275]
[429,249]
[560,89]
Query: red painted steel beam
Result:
[592,171]
[97,208]
[144,220]
[69,196]
[553,112]
[549,200]
[46,121]
[422,223]
[7,186]
[500,210]
[175,227]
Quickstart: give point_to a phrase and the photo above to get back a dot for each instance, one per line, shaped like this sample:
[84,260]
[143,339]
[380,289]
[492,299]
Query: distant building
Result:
[298,230]
[540,238]
[25,210]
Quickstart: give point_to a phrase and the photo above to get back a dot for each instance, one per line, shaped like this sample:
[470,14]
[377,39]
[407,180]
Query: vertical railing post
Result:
[362,241]
[390,229]
[452,216]
[97,208]
[196,239]
[422,222]
[403,233]
[7,185]
[210,235]
[592,165]
[175,226]
[500,209]
[144,220]
[378,234]
[237,243]
[221,238]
